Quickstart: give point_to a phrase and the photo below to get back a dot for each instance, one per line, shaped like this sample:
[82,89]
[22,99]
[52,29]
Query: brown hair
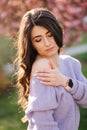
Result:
[26,52]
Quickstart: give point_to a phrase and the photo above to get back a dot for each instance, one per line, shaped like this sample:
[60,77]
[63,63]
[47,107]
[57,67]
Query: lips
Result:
[49,49]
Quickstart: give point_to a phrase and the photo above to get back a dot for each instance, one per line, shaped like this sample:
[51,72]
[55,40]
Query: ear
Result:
[52,65]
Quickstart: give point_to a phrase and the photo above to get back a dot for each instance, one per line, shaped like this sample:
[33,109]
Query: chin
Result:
[52,53]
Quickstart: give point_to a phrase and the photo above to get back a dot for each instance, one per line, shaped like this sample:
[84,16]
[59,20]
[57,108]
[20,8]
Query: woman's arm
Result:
[79,90]
[41,106]
[41,102]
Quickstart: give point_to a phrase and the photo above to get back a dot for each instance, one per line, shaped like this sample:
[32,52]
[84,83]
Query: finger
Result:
[44,79]
[45,75]
[46,83]
[44,71]
[49,71]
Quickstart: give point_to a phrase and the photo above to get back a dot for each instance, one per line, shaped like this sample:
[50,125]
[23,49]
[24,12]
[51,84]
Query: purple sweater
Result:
[56,108]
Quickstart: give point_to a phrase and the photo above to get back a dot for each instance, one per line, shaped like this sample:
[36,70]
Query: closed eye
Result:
[37,39]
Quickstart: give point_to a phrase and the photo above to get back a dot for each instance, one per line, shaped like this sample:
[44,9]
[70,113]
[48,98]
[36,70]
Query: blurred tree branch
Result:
[71,13]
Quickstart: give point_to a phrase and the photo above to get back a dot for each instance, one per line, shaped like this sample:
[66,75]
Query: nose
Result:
[47,42]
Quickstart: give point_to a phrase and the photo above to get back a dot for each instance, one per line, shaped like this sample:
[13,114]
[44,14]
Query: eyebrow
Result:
[40,35]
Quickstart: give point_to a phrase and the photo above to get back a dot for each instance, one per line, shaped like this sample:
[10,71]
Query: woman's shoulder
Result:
[70,62]
[40,64]
[68,58]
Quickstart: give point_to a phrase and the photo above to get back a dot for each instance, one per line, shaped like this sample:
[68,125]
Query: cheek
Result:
[39,48]
[57,46]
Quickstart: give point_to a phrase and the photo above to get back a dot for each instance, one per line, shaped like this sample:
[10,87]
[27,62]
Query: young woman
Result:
[51,85]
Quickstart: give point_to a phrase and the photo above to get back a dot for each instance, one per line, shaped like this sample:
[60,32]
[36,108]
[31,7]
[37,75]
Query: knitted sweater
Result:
[57,108]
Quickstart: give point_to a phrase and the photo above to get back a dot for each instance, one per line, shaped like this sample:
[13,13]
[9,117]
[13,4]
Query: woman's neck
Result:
[53,59]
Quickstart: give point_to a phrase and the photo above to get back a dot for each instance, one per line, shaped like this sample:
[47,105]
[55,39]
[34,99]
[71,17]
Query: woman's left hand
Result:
[48,77]
[51,77]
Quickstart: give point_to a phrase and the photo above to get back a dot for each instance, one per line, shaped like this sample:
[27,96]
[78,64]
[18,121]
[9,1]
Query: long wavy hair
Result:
[26,54]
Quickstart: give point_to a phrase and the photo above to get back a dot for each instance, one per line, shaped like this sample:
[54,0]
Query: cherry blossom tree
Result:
[72,14]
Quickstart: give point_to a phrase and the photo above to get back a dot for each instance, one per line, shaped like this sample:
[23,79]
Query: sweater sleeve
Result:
[41,106]
[79,90]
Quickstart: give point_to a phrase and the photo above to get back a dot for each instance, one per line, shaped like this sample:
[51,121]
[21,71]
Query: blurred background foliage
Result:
[7,52]
[71,13]
[73,16]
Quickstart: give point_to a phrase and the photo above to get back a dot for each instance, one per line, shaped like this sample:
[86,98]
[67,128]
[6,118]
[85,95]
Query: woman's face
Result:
[43,41]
